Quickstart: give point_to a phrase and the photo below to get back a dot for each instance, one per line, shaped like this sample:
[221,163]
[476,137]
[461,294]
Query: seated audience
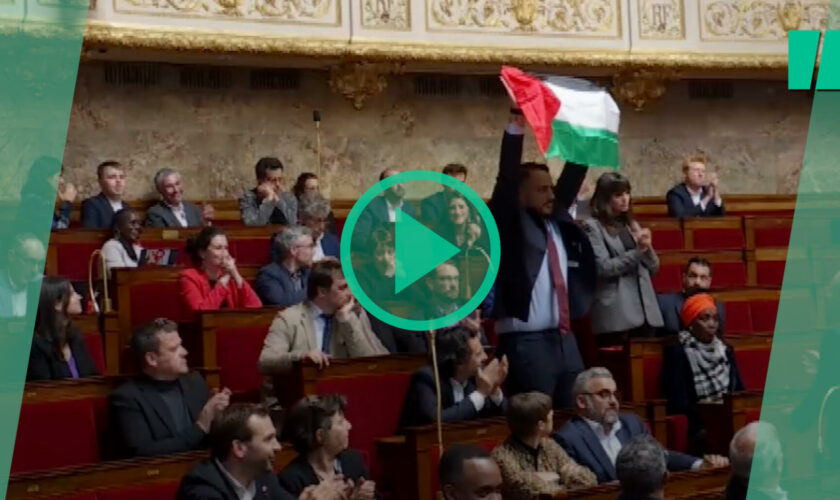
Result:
[214,282]
[328,324]
[641,469]
[314,213]
[381,212]
[166,409]
[696,278]
[307,184]
[625,303]
[433,208]
[695,197]
[18,281]
[124,249]
[98,211]
[755,454]
[471,387]
[700,368]
[463,227]
[467,472]
[46,187]
[595,435]
[173,210]
[283,282]
[58,347]
[443,297]
[320,433]
[269,202]
[532,463]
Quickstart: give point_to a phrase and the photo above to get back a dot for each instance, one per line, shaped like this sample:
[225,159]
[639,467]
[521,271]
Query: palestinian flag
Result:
[572,119]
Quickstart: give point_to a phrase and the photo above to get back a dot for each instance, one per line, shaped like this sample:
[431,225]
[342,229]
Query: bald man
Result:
[755,455]
[19,279]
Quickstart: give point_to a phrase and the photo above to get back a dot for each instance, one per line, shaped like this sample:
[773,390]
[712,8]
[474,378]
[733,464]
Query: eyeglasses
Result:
[605,394]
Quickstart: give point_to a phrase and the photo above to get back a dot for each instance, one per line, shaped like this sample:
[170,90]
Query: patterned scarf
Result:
[709,365]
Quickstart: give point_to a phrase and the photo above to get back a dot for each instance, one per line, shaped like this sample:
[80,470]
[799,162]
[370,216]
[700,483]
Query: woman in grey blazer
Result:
[625,303]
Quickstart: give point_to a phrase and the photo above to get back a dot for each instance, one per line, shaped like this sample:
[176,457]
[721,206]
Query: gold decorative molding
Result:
[360,80]
[293,12]
[759,20]
[661,19]
[640,86]
[386,14]
[580,18]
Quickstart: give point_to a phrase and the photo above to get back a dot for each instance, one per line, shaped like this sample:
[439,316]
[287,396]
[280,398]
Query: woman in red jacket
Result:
[214,282]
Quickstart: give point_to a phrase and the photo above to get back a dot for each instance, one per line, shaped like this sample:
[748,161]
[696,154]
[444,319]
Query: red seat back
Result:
[772,237]
[652,369]
[668,278]
[160,491]
[667,238]
[155,300]
[763,313]
[677,432]
[718,239]
[738,318]
[93,342]
[769,273]
[753,364]
[237,351]
[72,259]
[730,274]
[252,251]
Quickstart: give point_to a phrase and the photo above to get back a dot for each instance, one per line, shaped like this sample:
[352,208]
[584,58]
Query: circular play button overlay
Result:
[420,250]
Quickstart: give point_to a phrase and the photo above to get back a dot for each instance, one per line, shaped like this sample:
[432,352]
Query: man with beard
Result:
[594,437]
[697,278]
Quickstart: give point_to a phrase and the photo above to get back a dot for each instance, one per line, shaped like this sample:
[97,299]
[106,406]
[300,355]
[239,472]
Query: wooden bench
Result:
[714,233]
[737,410]
[763,232]
[729,269]
[679,485]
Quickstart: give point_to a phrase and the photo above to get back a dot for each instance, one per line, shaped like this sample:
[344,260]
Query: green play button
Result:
[420,250]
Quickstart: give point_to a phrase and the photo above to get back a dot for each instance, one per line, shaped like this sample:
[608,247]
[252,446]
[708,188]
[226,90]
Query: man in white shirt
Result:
[173,211]
[470,386]
[599,431]
[381,212]
[698,195]
[24,264]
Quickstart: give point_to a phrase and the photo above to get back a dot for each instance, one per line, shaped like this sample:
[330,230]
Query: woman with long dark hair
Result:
[124,249]
[308,184]
[214,282]
[58,347]
[625,303]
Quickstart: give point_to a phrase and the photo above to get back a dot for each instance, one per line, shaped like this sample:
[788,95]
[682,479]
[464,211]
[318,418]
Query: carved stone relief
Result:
[358,81]
[755,20]
[641,86]
[662,19]
[589,18]
[311,12]
[388,14]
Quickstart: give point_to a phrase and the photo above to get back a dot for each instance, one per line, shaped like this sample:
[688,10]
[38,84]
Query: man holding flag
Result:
[547,272]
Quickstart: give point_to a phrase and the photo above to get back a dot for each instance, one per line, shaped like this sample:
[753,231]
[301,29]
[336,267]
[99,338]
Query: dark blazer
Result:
[275,288]
[420,407]
[296,476]
[330,245]
[433,209]
[737,490]
[160,215]
[581,443]
[524,242]
[375,216]
[44,364]
[671,304]
[677,382]
[397,340]
[681,206]
[206,481]
[97,212]
[145,424]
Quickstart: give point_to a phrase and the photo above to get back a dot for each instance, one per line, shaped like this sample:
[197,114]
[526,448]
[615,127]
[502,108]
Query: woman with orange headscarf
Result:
[700,368]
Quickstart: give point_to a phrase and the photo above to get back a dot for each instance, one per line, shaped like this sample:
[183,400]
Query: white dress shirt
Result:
[318,323]
[242,492]
[116,206]
[478,399]
[318,252]
[610,441]
[392,210]
[180,213]
[18,303]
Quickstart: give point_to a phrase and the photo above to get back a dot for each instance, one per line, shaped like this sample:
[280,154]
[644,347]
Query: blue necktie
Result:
[325,345]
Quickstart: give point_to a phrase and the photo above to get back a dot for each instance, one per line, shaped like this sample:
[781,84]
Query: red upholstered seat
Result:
[772,237]
[652,368]
[677,432]
[155,300]
[161,491]
[93,342]
[72,259]
[80,496]
[738,318]
[668,278]
[753,364]
[237,351]
[753,416]
[667,239]
[730,274]
[718,239]
[57,434]
[372,415]
[763,313]
[252,252]
[769,273]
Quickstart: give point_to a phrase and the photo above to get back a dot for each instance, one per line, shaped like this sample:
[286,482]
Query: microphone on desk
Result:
[316,117]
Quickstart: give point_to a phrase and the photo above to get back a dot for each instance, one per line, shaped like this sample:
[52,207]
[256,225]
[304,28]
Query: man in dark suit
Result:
[283,282]
[547,272]
[469,388]
[173,210]
[167,409]
[434,208]
[595,435]
[381,211]
[641,469]
[695,197]
[697,278]
[314,213]
[757,461]
[243,443]
[98,211]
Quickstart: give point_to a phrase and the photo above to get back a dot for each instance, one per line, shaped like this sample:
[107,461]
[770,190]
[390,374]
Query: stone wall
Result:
[755,139]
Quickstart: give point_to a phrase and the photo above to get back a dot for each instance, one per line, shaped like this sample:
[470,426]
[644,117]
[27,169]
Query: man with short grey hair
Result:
[173,210]
[283,282]
[20,277]
[596,435]
[314,213]
[641,469]
[755,454]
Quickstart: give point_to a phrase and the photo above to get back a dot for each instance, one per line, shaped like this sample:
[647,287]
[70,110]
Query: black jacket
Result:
[397,340]
[681,206]
[97,212]
[140,416]
[206,481]
[45,364]
[420,407]
[524,243]
[298,475]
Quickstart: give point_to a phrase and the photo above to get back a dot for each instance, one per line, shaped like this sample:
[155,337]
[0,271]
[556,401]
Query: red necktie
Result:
[559,284]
